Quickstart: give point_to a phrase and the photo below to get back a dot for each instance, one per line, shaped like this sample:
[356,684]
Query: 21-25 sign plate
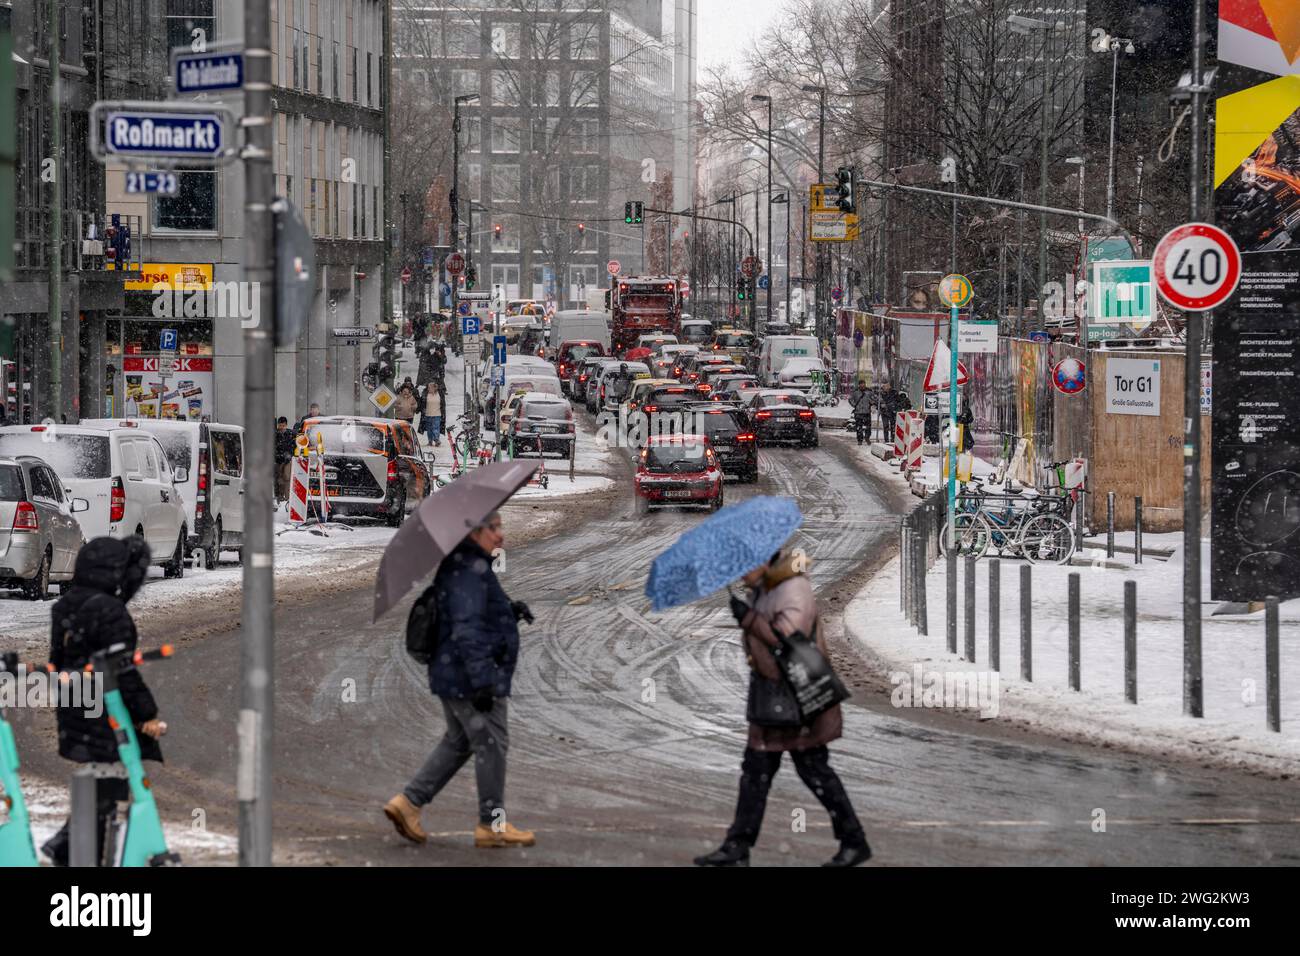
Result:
[1196,266]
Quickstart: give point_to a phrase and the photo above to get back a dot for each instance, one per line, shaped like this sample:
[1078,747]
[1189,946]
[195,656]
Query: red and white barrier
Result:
[900,436]
[915,429]
[299,477]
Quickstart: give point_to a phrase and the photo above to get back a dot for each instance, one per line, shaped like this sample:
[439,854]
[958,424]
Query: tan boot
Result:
[406,818]
[508,835]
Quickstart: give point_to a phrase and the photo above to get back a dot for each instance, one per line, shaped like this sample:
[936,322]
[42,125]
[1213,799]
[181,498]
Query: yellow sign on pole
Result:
[826,221]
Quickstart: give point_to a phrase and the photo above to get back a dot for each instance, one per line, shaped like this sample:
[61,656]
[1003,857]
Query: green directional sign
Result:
[1121,291]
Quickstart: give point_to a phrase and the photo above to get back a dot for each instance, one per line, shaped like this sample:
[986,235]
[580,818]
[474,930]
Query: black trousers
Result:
[814,769]
[862,425]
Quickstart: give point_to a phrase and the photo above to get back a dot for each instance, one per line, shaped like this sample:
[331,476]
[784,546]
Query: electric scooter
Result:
[139,839]
[16,846]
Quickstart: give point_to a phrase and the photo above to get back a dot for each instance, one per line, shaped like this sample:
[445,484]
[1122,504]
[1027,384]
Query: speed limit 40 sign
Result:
[1196,266]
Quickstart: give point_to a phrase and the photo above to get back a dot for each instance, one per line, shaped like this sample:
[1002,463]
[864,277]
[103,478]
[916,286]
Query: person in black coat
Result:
[91,616]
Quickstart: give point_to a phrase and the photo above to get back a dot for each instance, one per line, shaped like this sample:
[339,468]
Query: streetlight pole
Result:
[1114,77]
[818,297]
[764,98]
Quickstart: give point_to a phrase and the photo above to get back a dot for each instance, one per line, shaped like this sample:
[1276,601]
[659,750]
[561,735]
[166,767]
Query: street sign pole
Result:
[257,659]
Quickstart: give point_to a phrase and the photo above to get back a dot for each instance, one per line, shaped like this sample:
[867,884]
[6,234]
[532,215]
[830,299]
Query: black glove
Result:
[483,700]
[521,611]
[739,609]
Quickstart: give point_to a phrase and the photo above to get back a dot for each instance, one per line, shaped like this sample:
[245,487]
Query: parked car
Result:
[798,373]
[731,439]
[124,475]
[373,466]
[677,470]
[542,424]
[779,415]
[591,399]
[572,352]
[212,455]
[39,537]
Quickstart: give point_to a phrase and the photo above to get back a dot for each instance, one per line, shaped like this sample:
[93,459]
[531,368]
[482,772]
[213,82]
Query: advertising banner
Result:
[186,395]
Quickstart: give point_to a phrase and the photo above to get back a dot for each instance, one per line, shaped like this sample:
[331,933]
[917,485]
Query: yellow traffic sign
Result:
[826,221]
[382,398]
[956,291]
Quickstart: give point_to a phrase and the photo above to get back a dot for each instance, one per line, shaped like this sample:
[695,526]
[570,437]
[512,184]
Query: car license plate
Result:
[722,447]
[677,494]
[331,474]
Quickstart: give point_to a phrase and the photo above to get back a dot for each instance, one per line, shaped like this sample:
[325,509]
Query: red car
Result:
[676,470]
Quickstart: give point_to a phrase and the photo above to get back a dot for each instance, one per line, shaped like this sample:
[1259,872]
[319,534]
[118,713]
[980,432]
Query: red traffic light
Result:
[582,228]
[496,231]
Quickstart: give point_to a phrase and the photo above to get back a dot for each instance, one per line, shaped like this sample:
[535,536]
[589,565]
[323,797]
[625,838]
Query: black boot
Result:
[730,853]
[850,854]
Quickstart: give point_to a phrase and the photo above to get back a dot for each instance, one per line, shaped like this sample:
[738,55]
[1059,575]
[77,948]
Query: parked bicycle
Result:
[1025,524]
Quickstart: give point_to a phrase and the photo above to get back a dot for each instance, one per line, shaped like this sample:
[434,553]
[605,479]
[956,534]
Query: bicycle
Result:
[1037,531]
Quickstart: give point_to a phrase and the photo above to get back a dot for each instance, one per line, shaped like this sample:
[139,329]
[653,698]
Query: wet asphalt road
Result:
[627,729]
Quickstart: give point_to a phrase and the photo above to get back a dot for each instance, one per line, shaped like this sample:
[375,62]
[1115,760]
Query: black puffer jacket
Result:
[90,616]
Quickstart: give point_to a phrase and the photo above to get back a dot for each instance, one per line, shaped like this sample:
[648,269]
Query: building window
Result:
[505,134]
[505,40]
[463,39]
[505,88]
[584,41]
[334,70]
[183,18]
[586,136]
[584,89]
[546,40]
[320,68]
[354,75]
[544,133]
[465,82]
[293,55]
[194,207]
[370,66]
[476,182]
[508,276]
[509,241]
[505,183]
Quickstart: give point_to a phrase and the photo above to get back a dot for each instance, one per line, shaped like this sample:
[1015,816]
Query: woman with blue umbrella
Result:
[743,541]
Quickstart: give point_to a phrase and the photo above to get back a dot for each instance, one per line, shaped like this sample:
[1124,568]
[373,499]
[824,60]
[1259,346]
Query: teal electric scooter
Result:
[16,846]
[140,840]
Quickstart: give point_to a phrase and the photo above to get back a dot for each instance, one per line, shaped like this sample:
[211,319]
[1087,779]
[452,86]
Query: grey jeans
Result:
[468,732]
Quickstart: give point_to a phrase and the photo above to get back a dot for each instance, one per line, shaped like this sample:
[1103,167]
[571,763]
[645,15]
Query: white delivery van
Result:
[125,476]
[573,325]
[212,455]
[776,350]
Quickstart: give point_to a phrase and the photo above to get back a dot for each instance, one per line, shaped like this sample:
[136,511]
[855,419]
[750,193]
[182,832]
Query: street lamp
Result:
[455,215]
[821,160]
[782,199]
[1113,44]
[1019,165]
[764,98]
[1080,162]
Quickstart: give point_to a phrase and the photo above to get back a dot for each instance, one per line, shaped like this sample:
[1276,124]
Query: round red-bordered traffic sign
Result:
[1196,266]
[455,264]
[613,267]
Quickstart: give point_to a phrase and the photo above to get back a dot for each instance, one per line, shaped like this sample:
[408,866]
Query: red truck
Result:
[644,304]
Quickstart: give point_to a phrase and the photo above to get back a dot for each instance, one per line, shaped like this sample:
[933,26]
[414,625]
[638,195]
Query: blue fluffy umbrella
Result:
[726,545]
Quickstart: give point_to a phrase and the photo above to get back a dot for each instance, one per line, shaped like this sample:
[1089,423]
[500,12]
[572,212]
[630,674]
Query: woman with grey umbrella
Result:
[783,600]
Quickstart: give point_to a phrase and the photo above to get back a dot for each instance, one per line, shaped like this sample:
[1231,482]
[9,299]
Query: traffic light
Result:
[638,213]
[385,364]
[471,278]
[846,183]
[582,229]
[496,233]
[741,290]
[627,213]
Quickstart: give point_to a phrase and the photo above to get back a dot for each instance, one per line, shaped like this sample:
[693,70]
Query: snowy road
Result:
[627,727]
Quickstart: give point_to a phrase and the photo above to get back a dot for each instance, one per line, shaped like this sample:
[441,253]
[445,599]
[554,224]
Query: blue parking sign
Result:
[469,325]
[167,340]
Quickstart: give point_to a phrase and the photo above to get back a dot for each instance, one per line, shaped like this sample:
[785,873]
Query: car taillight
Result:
[652,408]
[25,517]
[203,475]
[117,501]
[745,436]
[582,378]
[392,471]
[705,387]
[807,414]
[762,414]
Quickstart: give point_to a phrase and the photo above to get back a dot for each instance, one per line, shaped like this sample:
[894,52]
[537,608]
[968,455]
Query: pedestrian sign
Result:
[382,398]
[469,324]
[1121,291]
[498,350]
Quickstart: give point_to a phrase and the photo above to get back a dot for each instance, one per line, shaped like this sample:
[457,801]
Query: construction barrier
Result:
[299,477]
[914,431]
[900,435]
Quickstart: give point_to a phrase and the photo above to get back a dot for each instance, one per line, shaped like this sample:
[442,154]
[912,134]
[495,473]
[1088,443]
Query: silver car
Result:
[39,537]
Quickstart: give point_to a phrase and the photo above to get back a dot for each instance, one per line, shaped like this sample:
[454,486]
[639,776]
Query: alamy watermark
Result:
[214,300]
[38,689]
[958,690]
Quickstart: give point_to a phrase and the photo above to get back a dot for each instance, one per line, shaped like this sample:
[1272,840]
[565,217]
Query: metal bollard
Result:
[970,609]
[1137,530]
[922,615]
[1074,631]
[1110,524]
[1026,624]
[1271,676]
[1130,642]
[995,614]
[83,846]
[951,589]
[902,567]
[1079,508]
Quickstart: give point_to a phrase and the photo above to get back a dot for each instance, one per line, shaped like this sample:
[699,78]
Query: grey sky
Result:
[728,27]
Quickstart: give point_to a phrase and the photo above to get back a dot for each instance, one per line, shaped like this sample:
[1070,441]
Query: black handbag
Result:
[808,674]
[771,703]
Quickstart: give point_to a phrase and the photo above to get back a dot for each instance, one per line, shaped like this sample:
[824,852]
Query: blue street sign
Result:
[178,135]
[445,289]
[167,340]
[469,325]
[498,350]
[1037,336]
[463,308]
[207,72]
[428,255]
[498,374]
[165,184]
[762,282]
[837,293]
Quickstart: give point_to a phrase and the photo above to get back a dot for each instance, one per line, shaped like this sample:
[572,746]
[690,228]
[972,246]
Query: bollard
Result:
[1137,530]
[1130,642]
[951,589]
[1110,524]
[902,567]
[995,613]
[970,609]
[922,616]
[1079,508]
[1074,631]
[1271,675]
[82,846]
[1026,624]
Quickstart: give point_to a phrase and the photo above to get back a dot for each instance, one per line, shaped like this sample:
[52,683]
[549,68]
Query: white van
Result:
[212,456]
[776,350]
[125,476]
[572,325]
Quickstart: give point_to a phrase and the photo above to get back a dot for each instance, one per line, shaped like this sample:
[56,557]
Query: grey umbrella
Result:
[440,523]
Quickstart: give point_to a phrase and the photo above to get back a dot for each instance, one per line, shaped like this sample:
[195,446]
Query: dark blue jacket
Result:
[478,640]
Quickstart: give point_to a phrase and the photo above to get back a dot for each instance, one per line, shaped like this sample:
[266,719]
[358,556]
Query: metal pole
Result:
[1110,524]
[970,609]
[1193,704]
[819,294]
[55,281]
[951,596]
[1020,259]
[1110,173]
[995,614]
[1039,316]
[257,658]
[83,842]
[902,564]
[922,560]
[1271,676]
[1130,642]
[770,257]
[385,95]
[1026,624]
[789,205]
[1137,530]
[1074,630]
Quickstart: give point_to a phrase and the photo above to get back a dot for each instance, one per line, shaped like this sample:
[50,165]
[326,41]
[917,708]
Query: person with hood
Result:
[92,616]
[885,404]
[860,400]
[783,600]
[407,403]
[470,672]
[431,413]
